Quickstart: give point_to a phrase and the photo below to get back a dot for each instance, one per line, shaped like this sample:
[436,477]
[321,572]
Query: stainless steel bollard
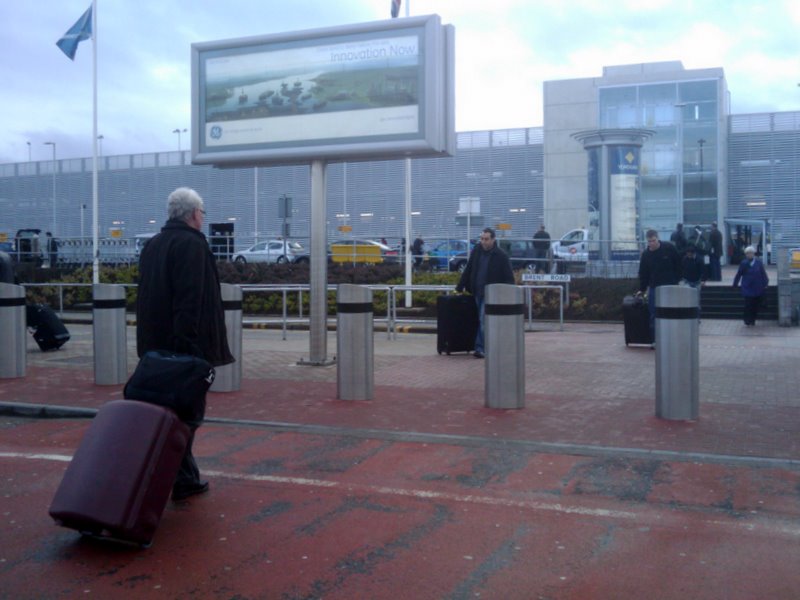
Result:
[504,336]
[355,373]
[677,352]
[13,342]
[229,377]
[110,332]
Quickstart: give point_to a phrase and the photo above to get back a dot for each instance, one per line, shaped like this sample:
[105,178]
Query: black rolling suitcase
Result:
[636,317]
[120,478]
[456,324]
[48,330]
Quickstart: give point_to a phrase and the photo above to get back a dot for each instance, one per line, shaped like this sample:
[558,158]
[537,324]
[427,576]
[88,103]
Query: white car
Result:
[273,251]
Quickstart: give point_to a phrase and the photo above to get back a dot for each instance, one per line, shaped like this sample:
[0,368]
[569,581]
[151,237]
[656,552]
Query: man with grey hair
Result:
[179,306]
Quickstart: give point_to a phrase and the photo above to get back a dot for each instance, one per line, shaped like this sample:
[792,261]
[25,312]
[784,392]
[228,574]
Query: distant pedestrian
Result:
[418,251]
[659,265]
[541,250]
[715,253]
[52,250]
[487,264]
[754,280]
[678,239]
[692,267]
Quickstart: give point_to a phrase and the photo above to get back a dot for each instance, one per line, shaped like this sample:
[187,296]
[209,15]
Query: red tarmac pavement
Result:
[424,493]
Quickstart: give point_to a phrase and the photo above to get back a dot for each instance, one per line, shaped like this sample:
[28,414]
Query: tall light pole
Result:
[53,144]
[100,139]
[29,151]
[178,131]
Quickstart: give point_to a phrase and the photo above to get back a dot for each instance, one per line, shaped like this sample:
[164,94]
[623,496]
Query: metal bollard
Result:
[229,377]
[504,335]
[355,377]
[13,343]
[110,332]
[677,352]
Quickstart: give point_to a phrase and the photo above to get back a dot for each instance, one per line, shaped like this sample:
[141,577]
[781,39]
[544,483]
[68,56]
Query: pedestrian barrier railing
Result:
[392,321]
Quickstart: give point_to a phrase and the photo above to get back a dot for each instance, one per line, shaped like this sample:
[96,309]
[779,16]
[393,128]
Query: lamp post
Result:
[29,151]
[178,131]
[100,139]
[679,131]
[700,143]
[53,144]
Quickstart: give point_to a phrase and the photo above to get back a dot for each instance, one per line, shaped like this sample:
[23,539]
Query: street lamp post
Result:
[179,131]
[53,144]
[29,151]
[100,139]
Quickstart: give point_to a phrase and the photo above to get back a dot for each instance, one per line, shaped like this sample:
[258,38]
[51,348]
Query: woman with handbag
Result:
[754,281]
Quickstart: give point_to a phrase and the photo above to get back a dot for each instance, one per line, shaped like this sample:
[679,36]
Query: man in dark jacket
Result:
[179,306]
[541,249]
[659,265]
[487,264]
[678,239]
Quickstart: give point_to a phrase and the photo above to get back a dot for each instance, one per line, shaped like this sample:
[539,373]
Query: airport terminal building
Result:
[693,163]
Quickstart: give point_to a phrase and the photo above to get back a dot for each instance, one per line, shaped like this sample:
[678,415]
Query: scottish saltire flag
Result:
[82,30]
[395,8]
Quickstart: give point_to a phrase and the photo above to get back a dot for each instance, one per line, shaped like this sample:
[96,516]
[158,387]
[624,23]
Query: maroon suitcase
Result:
[121,475]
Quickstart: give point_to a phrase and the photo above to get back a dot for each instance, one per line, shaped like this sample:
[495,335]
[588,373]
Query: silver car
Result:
[273,251]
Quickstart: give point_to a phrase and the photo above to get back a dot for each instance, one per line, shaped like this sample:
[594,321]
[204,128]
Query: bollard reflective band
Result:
[12,301]
[119,303]
[672,312]
[231,305]
[354,307]
[504,309]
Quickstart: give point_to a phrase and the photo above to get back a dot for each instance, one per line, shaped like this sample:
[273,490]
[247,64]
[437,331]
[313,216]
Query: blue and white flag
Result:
[82,30]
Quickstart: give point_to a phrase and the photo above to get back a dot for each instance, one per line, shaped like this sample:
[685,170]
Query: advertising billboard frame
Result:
[383,89]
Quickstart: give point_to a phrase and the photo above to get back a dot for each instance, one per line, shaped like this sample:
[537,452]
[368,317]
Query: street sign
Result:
[345,228]
[504,226]
[532,277]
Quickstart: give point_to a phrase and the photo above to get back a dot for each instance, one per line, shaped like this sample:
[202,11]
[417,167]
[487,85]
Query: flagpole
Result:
[95,219]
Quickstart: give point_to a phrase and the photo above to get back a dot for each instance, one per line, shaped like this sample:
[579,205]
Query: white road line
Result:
[780,526]
[34,456]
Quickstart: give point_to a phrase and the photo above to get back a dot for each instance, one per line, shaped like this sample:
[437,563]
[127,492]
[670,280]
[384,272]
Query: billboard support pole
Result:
[318,325]
[407,205]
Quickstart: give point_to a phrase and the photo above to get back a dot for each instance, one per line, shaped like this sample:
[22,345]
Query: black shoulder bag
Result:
[175,381]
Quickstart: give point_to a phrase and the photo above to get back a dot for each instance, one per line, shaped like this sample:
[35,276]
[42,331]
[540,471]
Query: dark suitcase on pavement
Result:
[456,323]
[48,330]
[121,476]
[636,317]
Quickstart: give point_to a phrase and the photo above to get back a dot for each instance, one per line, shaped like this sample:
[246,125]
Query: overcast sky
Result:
[505,49]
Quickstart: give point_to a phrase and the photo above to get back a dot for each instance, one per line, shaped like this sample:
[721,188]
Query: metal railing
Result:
[391,321]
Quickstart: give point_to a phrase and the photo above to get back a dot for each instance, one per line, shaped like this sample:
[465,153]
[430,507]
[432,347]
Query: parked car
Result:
[273,251]
[519,250]
[139,240]
[361,251]
[441,253]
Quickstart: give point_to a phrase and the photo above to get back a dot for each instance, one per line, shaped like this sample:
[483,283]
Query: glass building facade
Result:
[679,163]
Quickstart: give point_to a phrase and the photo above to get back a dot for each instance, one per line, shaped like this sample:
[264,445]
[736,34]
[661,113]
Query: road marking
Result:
[428,495]
[777,525]
[34,456]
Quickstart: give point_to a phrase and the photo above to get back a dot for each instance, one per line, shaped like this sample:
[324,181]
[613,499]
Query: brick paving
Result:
[583,386]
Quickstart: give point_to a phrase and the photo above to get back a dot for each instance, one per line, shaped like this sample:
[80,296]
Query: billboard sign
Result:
[358,91]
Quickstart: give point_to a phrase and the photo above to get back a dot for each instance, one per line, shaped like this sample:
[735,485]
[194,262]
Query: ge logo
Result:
[216,132]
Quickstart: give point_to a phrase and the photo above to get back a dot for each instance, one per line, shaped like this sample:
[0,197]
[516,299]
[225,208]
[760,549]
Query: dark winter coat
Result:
[179,306]
[498,270]
[753,276]
[659,267]
[693,268]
